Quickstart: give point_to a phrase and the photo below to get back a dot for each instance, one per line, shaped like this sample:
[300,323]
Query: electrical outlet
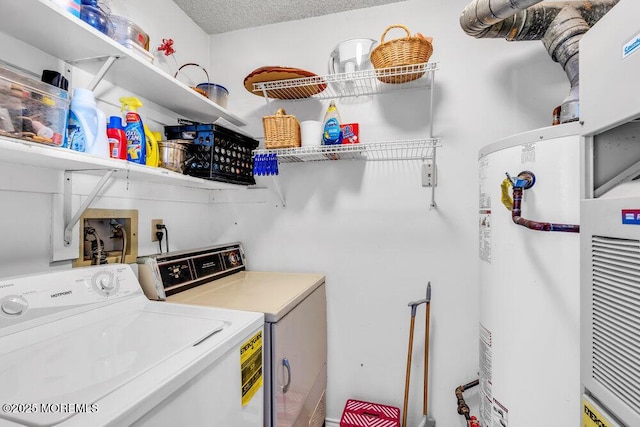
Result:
[429,174]
[154,229]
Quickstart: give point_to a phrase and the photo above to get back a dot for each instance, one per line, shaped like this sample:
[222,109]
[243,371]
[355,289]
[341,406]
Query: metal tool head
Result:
[414,304]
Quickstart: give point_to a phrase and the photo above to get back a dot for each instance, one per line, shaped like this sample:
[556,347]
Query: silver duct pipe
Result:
[559,24]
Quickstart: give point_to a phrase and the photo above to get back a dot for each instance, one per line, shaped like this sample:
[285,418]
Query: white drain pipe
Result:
[559,24]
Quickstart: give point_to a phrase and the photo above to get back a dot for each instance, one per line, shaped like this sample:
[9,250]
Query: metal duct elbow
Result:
[562,40]
[480,15]
[560,25]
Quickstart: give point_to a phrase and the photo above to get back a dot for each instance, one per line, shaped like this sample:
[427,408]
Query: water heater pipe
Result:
[523,181]
[559,24]
[463,408]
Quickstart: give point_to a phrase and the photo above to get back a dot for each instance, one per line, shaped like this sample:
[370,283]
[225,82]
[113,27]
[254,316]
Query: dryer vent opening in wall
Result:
[108,236]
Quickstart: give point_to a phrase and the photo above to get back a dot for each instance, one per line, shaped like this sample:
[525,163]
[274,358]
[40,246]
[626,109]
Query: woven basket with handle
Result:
[281,130]
[195,88]
[408,50]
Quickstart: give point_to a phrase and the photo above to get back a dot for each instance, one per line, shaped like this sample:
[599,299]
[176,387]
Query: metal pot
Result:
[173,154]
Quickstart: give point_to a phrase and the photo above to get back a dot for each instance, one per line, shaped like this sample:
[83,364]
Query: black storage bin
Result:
[217,153]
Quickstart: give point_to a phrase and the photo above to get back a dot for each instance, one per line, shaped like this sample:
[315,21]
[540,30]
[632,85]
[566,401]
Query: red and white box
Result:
[366,414]
[350,133]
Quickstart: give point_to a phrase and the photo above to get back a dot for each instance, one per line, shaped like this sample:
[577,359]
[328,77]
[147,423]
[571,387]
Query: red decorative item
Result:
[366,414]
[167,47]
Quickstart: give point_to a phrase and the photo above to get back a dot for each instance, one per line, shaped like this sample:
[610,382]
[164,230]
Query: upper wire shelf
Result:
[395,150]
[367,82]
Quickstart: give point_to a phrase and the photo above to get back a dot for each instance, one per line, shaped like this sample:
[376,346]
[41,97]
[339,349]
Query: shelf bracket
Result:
[433,204]
[70,222]
[103,70]
[275,184]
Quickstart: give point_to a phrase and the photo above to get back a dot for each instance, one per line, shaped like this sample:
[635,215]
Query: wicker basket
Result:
[281,130]
[409,50]
[197,89]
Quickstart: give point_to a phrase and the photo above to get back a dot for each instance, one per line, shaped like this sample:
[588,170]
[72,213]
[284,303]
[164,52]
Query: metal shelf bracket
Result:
[110,60]
[279,191]
[69,221]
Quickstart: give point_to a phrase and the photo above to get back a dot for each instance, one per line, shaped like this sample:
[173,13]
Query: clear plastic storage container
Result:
[32,110]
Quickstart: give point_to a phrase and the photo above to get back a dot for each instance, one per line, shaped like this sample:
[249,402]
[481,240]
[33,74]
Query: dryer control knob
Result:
[13,305]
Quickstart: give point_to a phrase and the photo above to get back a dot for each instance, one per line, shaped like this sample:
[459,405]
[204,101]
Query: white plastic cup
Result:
[311,133]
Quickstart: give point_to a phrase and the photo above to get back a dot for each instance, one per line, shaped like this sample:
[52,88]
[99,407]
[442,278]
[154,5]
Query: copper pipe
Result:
[536,225]
[463,408]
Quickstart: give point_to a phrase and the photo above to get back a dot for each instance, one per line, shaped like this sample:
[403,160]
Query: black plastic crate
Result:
[217,153]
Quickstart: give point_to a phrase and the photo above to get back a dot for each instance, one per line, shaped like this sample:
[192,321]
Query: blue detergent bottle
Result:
[134,130]
[87,128]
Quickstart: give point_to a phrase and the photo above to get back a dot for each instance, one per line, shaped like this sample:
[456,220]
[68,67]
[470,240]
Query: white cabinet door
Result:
[300,355]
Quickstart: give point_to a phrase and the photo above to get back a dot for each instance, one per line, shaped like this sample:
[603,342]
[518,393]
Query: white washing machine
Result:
[85,347]
[294,306]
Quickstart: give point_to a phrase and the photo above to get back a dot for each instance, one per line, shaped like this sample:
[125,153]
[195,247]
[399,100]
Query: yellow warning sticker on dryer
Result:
[591,417]
[251,367]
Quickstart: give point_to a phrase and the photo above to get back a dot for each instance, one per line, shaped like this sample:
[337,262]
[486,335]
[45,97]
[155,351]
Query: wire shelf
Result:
[356,83]
[396,150]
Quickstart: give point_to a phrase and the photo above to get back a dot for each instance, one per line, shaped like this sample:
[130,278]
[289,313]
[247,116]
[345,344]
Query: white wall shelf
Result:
[62,35]
[354,84]
[359,83]
[27,153]
[419,149]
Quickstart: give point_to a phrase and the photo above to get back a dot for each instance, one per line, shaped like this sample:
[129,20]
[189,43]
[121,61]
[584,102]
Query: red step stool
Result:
[366,414]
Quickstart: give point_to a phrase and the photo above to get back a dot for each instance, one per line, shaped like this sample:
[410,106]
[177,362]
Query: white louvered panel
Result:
[623,390]
[610,344]
[616,272]
[621,258]
[320,412]
[619,298]
[616,317]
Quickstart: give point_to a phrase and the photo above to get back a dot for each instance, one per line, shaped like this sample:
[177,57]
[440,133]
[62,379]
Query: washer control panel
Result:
[45,294]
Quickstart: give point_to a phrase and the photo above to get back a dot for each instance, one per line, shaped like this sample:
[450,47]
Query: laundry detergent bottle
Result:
[331,133]
[153,150]
[117,138]
[134,131]
[87,125]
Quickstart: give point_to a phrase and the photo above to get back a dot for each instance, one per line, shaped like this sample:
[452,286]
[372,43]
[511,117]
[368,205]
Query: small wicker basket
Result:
[281,130]
[195,88]
[409,50]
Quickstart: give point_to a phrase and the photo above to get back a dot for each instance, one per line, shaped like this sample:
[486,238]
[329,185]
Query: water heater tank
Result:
[529,283]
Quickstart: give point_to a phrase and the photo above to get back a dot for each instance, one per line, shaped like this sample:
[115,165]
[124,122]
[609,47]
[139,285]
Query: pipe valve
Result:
[524,180]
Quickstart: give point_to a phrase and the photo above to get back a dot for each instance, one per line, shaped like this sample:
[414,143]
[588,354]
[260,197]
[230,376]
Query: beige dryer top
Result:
[274,294]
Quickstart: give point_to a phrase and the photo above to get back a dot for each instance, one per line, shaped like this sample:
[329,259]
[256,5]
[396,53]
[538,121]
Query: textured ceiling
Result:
[220,16]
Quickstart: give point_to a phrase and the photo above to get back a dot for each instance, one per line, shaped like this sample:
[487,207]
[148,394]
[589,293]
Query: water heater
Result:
[529,283]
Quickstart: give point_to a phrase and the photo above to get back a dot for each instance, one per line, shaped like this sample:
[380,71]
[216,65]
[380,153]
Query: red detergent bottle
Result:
[117,138]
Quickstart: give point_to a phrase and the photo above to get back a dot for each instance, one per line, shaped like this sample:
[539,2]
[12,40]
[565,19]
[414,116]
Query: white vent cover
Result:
[616,317]
[319,413]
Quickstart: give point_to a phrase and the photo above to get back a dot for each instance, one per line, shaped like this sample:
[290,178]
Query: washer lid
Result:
[79,367]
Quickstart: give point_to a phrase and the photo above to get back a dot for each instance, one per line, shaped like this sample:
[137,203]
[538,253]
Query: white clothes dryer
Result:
[295,310]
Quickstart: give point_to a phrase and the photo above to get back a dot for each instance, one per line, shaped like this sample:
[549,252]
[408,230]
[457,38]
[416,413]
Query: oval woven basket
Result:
[408,50]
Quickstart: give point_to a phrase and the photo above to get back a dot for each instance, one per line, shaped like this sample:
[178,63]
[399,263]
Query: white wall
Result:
[367,226]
